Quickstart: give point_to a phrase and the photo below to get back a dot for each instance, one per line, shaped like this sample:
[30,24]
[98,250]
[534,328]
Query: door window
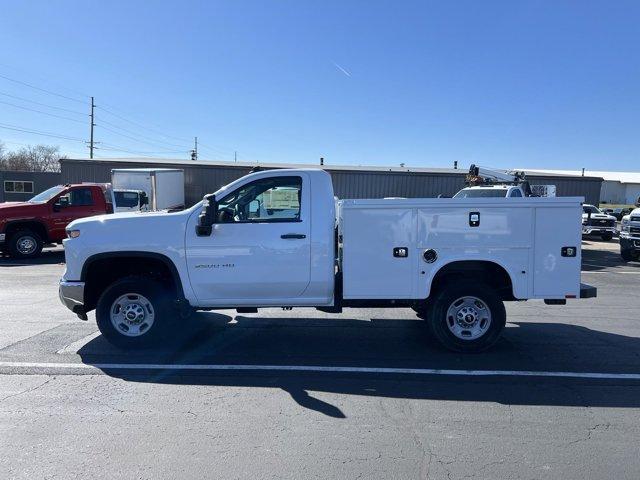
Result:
[516,193]
[79,197]
[275,199]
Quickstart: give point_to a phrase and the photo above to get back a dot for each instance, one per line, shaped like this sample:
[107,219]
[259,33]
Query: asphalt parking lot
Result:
[364,394]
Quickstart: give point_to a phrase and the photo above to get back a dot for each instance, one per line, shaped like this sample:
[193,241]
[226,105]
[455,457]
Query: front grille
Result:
[634,229]
[635,219]
[597,222]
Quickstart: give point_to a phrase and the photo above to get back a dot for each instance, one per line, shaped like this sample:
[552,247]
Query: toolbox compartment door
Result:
[370,236]
[555,274]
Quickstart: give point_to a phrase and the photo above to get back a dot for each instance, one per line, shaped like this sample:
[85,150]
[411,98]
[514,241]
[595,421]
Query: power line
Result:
[142,136]
[140,125]
[41,104]
[134,138]
[110,146]
[42,89]
[40,111]
[17,128]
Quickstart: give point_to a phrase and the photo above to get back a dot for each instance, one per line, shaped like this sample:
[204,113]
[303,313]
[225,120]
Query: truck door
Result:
[78,202]
[259,251]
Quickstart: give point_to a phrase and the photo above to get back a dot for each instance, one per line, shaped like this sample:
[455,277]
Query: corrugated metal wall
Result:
[202,179]
[587,187]
[41,181]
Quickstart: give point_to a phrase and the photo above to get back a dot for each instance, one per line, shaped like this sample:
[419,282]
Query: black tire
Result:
[627,254]
[25,243]
[161,302]
[607,236]
[444,298]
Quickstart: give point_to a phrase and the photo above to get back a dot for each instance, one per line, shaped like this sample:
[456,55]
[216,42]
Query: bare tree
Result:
[38,158]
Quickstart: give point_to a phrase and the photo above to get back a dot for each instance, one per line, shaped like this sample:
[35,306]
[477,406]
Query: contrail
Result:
[343,70]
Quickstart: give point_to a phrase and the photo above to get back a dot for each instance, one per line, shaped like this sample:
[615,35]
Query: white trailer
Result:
[162,187]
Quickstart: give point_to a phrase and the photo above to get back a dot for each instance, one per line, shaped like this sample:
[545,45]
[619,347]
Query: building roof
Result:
[360,168]
[622,177]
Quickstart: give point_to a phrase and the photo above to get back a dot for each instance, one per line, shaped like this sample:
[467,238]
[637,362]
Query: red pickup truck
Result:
[25,227]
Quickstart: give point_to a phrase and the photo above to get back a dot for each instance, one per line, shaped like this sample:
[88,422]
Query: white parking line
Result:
[625,272]
[97,367]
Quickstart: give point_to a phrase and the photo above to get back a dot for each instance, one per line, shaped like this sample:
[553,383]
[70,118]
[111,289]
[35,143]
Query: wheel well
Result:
[101,272]
[487,272]
[36,227]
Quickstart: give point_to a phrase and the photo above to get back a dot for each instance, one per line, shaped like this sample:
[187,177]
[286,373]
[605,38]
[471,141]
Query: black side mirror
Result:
[56,207]
[207,216]
[144,200]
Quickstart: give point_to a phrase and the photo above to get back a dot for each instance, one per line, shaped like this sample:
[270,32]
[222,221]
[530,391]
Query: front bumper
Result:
[629,242]
[594,229]
[72,296]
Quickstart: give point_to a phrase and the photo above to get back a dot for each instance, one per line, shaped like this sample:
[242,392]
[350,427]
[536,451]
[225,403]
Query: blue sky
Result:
[544,84]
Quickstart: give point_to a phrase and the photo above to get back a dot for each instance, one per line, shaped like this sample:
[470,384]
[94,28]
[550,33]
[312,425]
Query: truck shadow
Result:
[216,339]
[48,257]
[596,260]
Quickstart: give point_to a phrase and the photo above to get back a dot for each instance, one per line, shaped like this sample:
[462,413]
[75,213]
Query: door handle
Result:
[293,235]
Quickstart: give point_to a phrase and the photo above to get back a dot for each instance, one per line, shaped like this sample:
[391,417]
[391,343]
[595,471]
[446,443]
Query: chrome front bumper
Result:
[589,229]
[72,296]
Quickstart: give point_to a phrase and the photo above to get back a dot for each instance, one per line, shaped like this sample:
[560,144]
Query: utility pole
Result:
[194,152]
[235,156]
[91,134]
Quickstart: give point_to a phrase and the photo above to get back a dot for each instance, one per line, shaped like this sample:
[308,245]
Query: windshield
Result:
[126,199]
[47,194]
[482,193]
[590,209]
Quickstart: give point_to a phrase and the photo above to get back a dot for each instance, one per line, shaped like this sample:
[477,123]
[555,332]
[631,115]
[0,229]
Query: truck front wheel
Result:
[607,237]
[627,254]
[135,312]
[467,317]
[25,244]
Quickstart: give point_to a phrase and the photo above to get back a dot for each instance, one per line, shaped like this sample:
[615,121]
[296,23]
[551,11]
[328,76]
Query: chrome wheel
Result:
[468,318]
[132,315]
[26,245]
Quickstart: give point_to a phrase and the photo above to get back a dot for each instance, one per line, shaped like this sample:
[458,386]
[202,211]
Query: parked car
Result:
[594,222]
[25,227]
[630,236]
[269,239]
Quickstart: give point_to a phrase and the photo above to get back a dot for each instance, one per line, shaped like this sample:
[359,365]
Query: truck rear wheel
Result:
[25,243]
[136,312]
[467,317]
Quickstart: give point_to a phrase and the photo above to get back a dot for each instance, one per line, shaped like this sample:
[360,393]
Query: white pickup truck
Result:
[630,236]
[270,239]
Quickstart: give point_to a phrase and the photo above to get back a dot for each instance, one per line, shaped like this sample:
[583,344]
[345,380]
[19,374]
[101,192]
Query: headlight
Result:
[73,233]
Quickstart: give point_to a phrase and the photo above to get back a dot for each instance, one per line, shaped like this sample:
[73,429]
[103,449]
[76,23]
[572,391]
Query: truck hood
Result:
[4,206]
[115,220]
[20,209]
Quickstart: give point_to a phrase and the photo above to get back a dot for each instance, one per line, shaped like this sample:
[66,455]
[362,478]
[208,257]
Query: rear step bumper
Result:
[588,291]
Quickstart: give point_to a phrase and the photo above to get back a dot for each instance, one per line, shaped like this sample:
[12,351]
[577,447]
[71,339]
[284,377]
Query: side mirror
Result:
[207,216]
[62,202]
[144,199]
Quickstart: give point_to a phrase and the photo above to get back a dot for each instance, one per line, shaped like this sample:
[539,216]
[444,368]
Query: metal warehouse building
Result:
[21,186]
[202,177]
